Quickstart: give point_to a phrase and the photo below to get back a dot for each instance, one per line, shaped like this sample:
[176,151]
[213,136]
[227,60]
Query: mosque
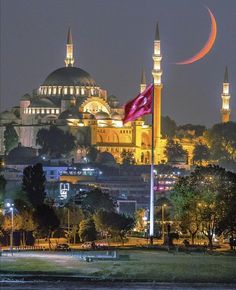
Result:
[71,99]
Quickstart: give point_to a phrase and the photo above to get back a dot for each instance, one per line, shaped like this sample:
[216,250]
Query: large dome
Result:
[69,76]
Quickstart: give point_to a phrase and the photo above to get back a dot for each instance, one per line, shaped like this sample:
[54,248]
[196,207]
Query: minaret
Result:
[225,110]
[143,84]
[69,60]
[156,73]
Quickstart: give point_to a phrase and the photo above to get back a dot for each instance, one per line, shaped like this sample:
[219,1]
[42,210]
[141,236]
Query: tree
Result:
[112,223]
[3,183]
[174,151]
[127,157]
[11,138]
[87,231]
[190,130]
[140,223]
[201,153]
[227,224]
[92,153]
[222,141]
[168,127]
[23,223]
[33,184]
[185,202]
[47,220]
[94,200]
[206,194]
[55,142]
[72,214]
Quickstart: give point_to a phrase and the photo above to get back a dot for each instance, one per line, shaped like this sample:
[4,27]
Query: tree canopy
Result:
[190,130]
[127,157]
[11,138]
[168,127]
[55,142]
[33,184]
[112,223]
[204,200]
[94,200]
[201,152]
[174,151]
[222,141]
[87,230]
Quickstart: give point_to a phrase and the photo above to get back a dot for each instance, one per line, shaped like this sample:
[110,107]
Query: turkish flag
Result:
[141,105]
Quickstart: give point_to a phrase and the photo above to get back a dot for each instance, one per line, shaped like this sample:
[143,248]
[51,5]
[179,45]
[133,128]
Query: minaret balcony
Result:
[157,57]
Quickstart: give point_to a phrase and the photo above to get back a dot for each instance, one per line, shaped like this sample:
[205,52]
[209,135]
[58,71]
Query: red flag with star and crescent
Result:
[140,106]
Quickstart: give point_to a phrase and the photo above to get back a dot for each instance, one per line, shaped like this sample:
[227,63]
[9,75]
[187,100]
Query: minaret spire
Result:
[226,76]
[157,34]
[225,110]
[69,60]
[156,74]
[143,83]
[156,123]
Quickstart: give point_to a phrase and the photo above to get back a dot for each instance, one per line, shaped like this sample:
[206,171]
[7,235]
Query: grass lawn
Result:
[137,265]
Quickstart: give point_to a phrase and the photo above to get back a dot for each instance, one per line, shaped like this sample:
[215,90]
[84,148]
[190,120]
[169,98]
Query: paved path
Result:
[84,285]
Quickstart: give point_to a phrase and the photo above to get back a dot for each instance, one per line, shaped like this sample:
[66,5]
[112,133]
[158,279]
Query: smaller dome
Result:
[70,114]
[26,97]
[8,116]
[116,116]
[102,115]
[106,158]
[113,101]
[21,154]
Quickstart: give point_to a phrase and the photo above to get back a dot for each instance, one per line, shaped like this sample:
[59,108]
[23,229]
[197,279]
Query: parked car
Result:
[88,246]
[102,246]
[63,247]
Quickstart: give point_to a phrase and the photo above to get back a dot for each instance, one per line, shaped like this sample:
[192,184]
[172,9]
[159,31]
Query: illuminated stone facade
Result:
[70,99]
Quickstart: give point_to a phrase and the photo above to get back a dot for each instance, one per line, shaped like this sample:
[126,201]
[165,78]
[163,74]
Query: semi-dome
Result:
[42,102]
[116,116]
[69,76]
[102,115]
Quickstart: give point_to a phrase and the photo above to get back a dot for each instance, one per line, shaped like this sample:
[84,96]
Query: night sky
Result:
[113,39]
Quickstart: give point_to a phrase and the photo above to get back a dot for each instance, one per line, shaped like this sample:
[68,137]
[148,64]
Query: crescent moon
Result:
[209,44]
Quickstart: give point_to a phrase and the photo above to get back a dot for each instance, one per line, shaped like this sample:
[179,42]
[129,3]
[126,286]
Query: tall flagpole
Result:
[151,228]
[156,122]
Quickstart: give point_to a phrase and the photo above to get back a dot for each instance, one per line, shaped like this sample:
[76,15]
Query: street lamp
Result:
[163,221]
[10,206]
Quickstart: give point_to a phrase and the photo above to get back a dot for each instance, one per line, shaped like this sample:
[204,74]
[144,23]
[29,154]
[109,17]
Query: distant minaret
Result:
[225,110]
[143,84]
[69,60]
[156,73]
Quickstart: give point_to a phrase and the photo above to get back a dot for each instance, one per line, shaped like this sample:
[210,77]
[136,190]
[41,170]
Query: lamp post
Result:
[10,206]
[12,227]
[163,221]
[68,225]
